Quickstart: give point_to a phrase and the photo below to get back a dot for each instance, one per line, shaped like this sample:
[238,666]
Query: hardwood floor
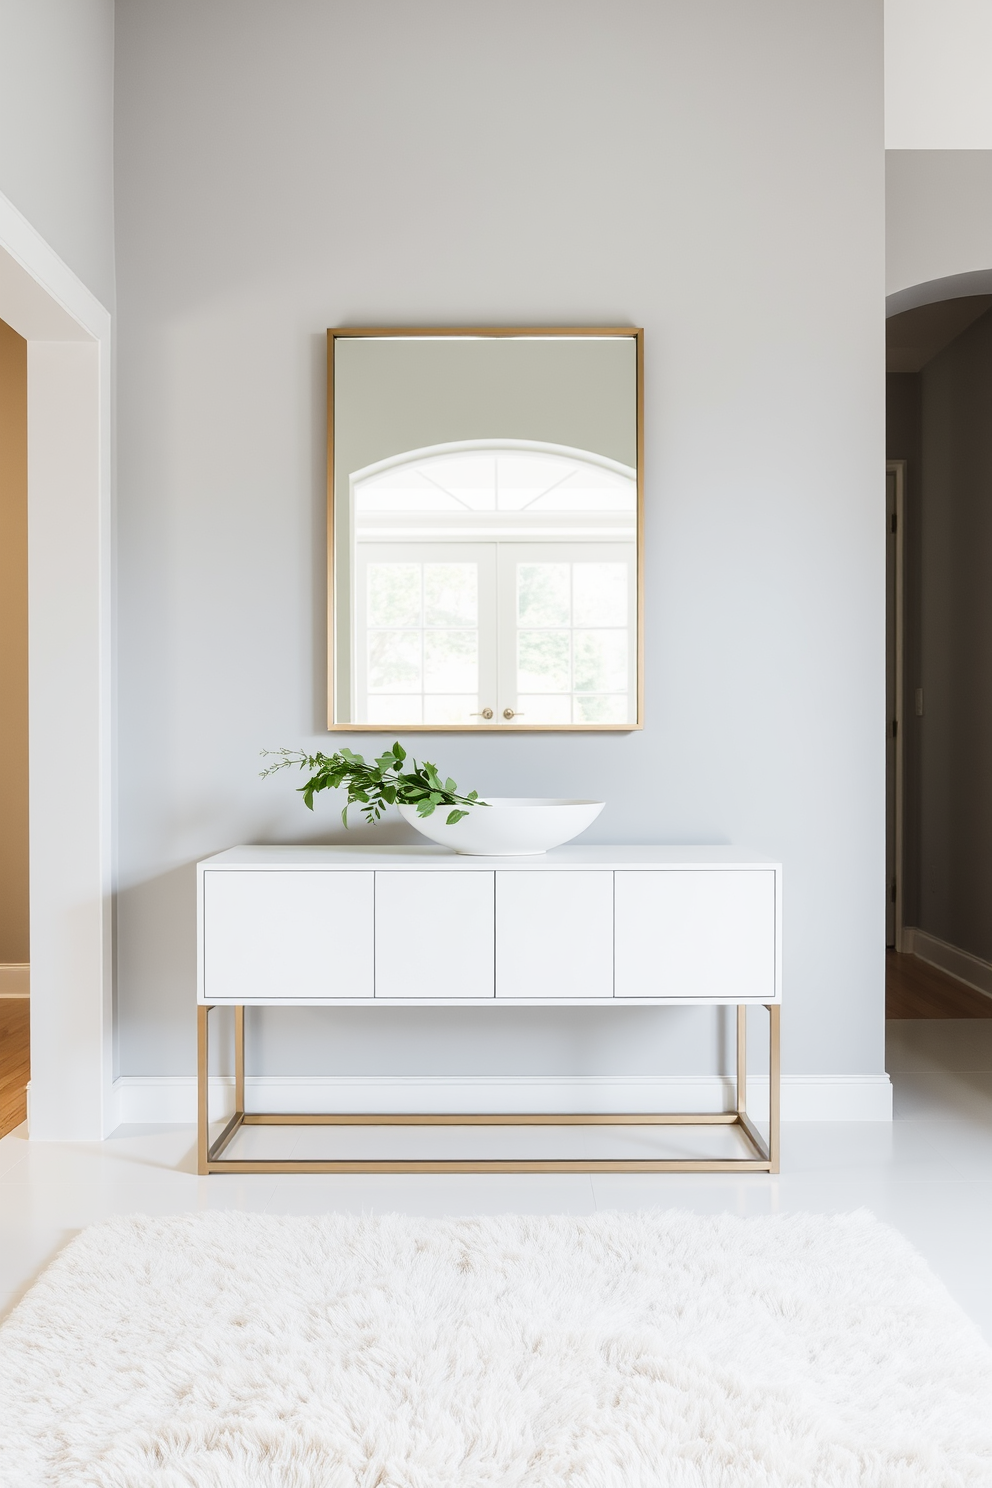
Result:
[14,1061]
[915,989]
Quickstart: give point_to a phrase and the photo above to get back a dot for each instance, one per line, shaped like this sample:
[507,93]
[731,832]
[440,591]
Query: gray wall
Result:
[955,734]
[56,128]
[938,208]
[712,171]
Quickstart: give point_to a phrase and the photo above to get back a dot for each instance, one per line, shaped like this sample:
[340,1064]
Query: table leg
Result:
[202,1089]
[774,1084]
[239,1059]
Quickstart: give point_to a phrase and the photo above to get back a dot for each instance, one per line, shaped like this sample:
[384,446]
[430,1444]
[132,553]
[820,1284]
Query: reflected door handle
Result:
[508,713]
[486,713]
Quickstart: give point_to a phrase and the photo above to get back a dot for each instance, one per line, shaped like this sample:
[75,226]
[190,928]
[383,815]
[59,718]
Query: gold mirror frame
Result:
[636,334]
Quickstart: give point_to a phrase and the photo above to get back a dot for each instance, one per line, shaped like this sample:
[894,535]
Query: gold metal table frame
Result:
[765,1157]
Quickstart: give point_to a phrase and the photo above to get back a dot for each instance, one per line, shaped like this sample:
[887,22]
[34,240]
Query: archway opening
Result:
[939,525]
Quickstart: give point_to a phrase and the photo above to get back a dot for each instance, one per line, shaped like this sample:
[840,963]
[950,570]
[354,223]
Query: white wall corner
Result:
[161,1099]
[69,625]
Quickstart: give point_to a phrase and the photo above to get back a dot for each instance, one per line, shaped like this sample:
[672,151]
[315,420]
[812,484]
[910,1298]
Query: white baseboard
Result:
[962,965]
[15,981]
[151,1099]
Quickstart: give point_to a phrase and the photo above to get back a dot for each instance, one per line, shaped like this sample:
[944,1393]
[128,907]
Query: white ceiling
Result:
[938,65]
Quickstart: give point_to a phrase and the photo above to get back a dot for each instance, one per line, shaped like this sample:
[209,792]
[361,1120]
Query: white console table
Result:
[349,927]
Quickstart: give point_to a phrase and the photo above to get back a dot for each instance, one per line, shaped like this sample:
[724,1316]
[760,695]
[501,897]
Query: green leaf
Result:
[376,785]
[454,816]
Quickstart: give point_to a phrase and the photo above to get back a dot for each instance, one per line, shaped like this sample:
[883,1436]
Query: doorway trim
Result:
[897,724]
[70,716]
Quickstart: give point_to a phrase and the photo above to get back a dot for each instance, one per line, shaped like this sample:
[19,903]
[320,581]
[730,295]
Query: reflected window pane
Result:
[600,660]
[386,708]
[394,661]
[599,594]
[483,479]
[469,478]
[393,593]
[451,709]
[451,660]
[451,594]
[612,708]
[543,594]
[535,708]
[543,661]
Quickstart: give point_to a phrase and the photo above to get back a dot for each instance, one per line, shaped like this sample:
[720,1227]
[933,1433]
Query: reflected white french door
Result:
[567,632]
[425,638]
[448,632]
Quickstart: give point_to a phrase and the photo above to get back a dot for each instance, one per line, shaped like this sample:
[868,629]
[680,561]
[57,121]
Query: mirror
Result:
[484,513]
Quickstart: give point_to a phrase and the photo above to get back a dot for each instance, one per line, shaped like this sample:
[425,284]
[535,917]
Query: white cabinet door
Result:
[695,933]
[554,933]
[434,934]
[286,934]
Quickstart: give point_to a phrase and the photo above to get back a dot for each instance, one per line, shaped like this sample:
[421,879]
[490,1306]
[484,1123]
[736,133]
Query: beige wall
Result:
[13,647]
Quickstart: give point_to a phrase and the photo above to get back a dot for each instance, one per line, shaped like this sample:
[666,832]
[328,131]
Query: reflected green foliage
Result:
[451,594]
[543,663]
[599,660]
[451,660]
[599,594]
[600,708]
[384,782]
[394,661]
[394,596]
[543,594]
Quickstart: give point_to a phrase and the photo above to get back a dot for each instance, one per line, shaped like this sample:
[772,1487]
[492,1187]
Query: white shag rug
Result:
[229,1350]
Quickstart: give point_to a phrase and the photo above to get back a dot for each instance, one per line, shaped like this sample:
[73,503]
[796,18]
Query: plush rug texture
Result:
[231,1350]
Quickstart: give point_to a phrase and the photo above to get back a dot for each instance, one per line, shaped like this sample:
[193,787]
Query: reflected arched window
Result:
[498,476]
[494,577]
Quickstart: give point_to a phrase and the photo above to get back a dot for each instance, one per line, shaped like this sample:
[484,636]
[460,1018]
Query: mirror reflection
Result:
[486,578]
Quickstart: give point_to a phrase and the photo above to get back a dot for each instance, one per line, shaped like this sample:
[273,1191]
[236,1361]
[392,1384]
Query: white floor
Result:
[929,1174]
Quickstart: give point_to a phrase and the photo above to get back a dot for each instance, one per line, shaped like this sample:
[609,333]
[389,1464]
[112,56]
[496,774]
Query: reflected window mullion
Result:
[423,654]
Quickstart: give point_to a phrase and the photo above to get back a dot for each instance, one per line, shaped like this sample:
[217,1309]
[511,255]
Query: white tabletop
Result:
[389,855]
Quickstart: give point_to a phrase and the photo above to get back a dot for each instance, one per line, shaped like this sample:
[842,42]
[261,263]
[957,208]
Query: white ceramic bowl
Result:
[509,827]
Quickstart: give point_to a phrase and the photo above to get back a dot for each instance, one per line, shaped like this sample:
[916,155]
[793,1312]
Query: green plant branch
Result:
[377,785]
